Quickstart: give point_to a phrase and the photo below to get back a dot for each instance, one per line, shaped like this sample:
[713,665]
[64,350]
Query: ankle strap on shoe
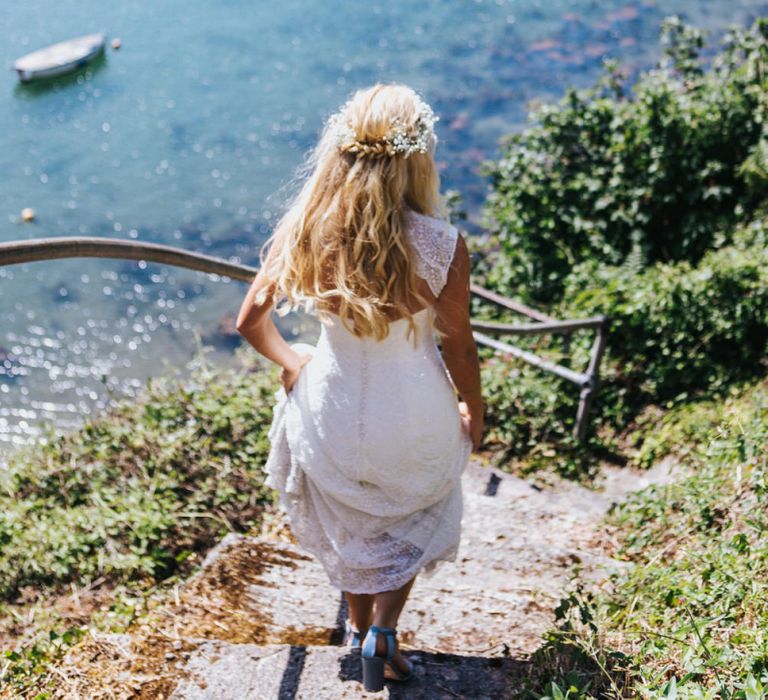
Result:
[369,647]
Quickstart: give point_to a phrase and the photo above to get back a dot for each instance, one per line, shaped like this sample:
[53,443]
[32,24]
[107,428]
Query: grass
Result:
[96,522]
[139,488]
[688,616]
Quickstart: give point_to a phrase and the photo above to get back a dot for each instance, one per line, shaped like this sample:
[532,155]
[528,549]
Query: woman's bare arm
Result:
[458,345]
[254,323]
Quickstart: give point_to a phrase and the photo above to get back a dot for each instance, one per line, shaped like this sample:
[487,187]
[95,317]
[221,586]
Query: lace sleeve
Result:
[434,243]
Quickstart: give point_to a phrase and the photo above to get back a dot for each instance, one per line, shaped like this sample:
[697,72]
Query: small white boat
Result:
[59,58]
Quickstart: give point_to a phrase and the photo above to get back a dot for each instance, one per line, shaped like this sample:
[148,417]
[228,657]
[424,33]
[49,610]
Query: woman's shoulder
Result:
[431,232]
[435,242]
[435,222]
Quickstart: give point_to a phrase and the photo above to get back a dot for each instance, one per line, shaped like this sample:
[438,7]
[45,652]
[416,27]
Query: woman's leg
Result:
[388,606]
[360,610]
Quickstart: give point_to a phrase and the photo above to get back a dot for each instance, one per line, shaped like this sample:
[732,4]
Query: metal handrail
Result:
[580,378]
[15,252]
[588,381]
[507,303]
[95,247]
[568,326]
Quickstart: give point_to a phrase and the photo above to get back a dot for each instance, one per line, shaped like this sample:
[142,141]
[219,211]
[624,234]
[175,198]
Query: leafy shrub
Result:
[657,175]
[660,433]
[677,327]
[678,332]
[139,488]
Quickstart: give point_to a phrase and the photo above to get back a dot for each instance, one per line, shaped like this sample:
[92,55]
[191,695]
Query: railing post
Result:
[593,372]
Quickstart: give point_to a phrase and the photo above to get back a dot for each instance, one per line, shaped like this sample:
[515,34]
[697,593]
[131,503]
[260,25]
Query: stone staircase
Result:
[259,620]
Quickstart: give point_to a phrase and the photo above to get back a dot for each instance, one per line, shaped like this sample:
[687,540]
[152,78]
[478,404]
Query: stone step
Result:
[512,565]
[200,669]
[221,671]
[260,620]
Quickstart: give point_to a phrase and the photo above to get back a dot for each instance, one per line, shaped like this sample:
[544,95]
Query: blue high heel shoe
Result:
[373,666]
[352,638]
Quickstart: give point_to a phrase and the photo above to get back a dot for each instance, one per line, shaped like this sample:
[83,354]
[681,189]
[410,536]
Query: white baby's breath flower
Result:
[399,140]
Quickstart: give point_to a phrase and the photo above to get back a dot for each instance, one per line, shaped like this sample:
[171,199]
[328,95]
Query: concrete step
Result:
[253,590]
[154,667]
[516,553]
[221,671]
[260,620]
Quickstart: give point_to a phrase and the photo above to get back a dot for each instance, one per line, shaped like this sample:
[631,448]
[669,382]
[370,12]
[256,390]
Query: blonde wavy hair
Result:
[341,245]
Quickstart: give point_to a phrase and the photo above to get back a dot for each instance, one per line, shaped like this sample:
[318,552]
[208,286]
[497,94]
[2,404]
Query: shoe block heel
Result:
[373,673]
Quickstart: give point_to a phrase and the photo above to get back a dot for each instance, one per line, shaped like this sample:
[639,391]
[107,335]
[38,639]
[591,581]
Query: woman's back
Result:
[390,385]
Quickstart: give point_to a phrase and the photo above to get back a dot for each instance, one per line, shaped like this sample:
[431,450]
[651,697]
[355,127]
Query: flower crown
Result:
[398,140]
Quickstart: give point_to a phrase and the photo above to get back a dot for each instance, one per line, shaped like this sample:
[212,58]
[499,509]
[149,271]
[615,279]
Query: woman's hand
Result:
[474,426]
[288,376]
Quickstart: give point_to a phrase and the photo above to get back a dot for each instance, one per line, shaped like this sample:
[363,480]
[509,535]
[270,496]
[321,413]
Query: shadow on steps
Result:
[438,675]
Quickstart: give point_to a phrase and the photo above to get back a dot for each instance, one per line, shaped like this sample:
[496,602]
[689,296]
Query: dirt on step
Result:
[218,603]
[123,667]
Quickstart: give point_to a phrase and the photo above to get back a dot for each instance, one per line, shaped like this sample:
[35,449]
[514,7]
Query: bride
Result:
[368,437]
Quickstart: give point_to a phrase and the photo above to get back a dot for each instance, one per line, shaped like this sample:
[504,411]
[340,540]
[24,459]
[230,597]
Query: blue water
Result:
[190,133]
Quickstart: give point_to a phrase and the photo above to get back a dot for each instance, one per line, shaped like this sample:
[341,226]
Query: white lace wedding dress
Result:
[367,449]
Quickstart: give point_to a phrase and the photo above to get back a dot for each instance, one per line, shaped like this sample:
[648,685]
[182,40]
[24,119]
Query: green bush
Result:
[526,408]
[139,488]
[678,328]
[634,203]
[679,332]
[661,174]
